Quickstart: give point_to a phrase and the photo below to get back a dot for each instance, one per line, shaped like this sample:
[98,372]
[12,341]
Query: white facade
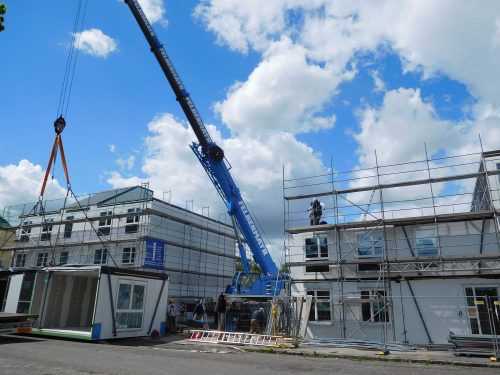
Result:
[378,271]
[128,228]
[90,302]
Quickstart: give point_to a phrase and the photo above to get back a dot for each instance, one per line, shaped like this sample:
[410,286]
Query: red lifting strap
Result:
[57,143]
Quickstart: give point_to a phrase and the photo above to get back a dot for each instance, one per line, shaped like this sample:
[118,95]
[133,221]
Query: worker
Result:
[220,309]
[198,311]
[315,211]
[257,321]
[171,317]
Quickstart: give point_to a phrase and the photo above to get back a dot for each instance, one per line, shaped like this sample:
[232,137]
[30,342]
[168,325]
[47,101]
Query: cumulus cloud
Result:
[154,11]
[21,183]
[95,43]
[170,165]
[283,93]
[307,48]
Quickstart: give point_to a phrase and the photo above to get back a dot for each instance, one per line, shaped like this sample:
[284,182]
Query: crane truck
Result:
[211,156]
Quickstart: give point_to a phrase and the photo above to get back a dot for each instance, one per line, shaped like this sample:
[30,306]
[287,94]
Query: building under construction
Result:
[406,253]
[125,228]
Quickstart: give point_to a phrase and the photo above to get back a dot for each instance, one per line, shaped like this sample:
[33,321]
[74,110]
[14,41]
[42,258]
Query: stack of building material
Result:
[478,345]
[359,344]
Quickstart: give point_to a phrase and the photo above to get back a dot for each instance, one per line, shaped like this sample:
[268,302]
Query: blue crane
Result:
[211,157]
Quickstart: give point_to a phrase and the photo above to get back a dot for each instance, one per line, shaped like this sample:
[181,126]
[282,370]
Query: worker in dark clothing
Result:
[220,309]
[315,211]
[198,311]
[171,318]
[257,321]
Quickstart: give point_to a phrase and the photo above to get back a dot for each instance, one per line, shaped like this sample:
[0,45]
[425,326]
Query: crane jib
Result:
[253,228]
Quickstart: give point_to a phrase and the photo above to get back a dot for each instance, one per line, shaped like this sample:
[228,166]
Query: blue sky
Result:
[286,83]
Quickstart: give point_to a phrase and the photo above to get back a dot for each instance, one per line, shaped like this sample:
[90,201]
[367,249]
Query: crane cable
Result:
[69,72]
[60,122]
[64,97]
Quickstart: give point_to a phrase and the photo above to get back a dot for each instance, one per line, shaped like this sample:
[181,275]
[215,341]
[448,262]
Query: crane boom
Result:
[210,155]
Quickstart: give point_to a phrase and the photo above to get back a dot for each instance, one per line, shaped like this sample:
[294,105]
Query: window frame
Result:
[314,306]
[102,259]
[104,223]
[25,234]
[377,316]
[62,255]
[42,259]
[132,221]
[321,253]
[369,238]
[68,227]
[46,232]
[130,310]
[22,262]
[132,253]
[424,249]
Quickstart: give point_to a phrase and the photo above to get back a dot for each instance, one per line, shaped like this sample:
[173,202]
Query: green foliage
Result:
[254,267]
[239,266]
[3,10]
[284,269]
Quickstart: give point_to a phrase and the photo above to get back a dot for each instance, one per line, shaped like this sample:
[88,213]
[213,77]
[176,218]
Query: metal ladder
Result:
[235,338]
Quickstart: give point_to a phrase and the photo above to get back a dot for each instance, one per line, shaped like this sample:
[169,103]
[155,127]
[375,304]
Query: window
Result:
[426,241]
[317,249]
[46,232]
[100,256]
[483,309]
[25,232]
[128,256]
[24,302]
[41,259]
[68,227]
[321,307]
[369,244]
[132,221]
[130,305]
[20,260]
[498,169]
[373,310]
[105,223]
[63,257]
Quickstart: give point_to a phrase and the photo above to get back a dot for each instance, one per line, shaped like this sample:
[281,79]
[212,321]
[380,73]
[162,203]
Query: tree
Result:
[254,267]
[3,10]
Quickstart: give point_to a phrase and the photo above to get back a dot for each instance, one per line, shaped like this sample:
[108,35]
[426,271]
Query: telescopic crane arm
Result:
[210,155]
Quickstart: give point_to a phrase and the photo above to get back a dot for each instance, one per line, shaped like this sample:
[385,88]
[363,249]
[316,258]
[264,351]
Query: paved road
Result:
[26,356]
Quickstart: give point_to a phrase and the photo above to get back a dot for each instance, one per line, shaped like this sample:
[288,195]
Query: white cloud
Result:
[126,163]
[112,148]
[95,43]
[154,11]
[377,81]
[283,93]
[170,165]
[21,184]
[241,24]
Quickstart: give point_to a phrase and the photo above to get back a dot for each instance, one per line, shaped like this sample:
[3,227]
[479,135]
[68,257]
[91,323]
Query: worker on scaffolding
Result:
[257,321]
[315,211]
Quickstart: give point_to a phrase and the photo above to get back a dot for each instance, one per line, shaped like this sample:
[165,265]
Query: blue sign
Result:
[155,250]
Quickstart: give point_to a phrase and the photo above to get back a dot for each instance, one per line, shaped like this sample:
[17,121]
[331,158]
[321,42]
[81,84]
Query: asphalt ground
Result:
[175,355]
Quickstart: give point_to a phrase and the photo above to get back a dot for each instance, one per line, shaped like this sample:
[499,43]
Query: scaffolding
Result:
[113,228]
[384,202]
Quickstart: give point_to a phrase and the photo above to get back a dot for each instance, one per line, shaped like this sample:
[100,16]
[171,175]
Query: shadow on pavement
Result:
[16,339]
